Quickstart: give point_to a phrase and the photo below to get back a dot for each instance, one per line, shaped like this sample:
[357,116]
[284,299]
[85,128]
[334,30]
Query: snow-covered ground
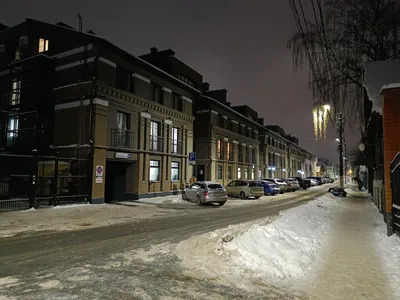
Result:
[74,217]
[268,250]
[331,248]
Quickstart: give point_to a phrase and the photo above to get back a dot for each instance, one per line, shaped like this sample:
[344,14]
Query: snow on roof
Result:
[380,75]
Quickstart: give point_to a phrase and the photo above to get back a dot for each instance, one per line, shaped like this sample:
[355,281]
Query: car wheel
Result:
[221,203]
[184,196]
[198,201]
[242,195]
[257,197]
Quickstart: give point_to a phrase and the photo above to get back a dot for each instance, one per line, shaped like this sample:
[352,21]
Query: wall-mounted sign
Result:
[122,155]
[99,174]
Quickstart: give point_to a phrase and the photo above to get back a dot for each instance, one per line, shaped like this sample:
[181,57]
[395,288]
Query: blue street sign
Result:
[192,156]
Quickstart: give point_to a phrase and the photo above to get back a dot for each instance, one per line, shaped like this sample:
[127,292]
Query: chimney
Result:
[261,121]
[153,50]
[228,104]
[206,86]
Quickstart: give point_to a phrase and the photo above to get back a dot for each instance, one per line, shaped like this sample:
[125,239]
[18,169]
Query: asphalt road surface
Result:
[83,264]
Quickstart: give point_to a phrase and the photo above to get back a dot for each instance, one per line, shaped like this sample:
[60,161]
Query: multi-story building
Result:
[93,99]
[226,141]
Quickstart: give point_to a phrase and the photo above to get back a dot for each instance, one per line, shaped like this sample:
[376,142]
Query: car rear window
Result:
[280,181]
[255,184]
[214,186]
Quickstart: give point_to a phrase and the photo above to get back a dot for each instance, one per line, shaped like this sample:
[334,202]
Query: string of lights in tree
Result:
[320,118]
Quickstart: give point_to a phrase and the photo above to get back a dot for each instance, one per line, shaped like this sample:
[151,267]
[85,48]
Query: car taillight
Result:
[205,194]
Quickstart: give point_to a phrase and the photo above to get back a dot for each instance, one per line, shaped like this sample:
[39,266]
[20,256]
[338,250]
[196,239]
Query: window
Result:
[248,154]
[157,94]
[13,126]
[219,149]
[121,136]
[122,120]
[252,174]
[175,140]
[15,92]
[246,173]
[124,80]
[174,171]
[154,170]
[176,102]
[17,53]
[220,172]
[154,136]
[228,151]
[229,172]
[43,45]
[239,173]
[240,153]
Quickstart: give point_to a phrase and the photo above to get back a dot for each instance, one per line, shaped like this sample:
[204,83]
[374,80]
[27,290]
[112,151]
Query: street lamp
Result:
[337,140]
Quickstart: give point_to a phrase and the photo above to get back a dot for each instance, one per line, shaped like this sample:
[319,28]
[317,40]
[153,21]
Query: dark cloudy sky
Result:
[239,45]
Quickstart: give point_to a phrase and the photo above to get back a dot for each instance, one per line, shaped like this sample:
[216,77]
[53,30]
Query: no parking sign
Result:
[99,174]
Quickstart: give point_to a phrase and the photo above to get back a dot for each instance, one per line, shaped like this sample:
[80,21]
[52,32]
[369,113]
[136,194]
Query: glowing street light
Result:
[337,140]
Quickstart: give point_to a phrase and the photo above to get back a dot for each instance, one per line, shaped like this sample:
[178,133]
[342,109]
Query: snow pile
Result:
[388,249]
[287,247]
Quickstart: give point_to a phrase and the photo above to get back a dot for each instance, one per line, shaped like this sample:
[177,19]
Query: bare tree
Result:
[336,40]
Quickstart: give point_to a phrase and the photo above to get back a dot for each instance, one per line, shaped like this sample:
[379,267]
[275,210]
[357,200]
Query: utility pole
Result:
[340,148]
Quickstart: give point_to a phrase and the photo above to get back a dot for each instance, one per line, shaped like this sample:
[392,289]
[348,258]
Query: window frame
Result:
[155,166]
[176,167]
[43,45]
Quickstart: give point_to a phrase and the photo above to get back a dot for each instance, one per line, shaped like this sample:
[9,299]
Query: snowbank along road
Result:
[129,261]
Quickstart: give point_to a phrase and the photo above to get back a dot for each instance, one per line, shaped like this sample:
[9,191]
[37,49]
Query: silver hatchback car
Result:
[203,192]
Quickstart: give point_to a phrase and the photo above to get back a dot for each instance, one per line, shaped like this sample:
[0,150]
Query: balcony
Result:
[121,138]
[156,143]
[177,147]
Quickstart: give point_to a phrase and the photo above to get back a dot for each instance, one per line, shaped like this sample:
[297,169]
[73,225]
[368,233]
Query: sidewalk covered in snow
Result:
[329,248]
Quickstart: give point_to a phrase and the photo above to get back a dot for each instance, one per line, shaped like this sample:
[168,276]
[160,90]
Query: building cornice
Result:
[145,105]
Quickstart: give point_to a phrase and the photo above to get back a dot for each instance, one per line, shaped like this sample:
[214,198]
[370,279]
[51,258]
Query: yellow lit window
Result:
[43,45]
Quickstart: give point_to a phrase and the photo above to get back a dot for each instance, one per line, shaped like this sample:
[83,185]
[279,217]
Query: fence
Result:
[395,185]
[32,180]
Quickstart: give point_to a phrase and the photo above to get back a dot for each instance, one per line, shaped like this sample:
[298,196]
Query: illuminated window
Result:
[239,173]
[219,146]
[43,45]
[13,125]
[229,151]
[15,92]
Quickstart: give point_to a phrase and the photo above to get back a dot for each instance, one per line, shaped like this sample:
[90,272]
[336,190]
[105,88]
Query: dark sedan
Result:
[304,183]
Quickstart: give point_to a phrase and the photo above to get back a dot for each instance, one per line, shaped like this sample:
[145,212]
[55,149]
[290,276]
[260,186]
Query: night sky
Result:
[237,45]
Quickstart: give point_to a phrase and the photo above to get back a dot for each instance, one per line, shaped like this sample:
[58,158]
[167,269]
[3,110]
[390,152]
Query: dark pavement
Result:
[31,262]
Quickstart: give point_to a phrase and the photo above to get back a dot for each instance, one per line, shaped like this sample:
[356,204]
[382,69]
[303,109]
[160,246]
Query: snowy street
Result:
[324,249]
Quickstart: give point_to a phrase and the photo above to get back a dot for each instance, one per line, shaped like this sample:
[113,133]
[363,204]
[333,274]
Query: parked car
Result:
[294,184]
[304,183]
[317,178]
[283,186]
[313,182]
[270,188]
[328,180]
[245,189]
[203,192]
